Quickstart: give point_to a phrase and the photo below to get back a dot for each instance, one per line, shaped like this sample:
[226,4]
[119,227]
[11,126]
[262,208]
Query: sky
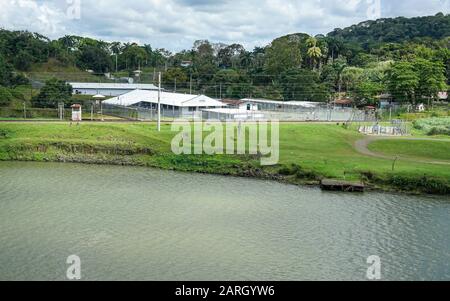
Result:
[176,24]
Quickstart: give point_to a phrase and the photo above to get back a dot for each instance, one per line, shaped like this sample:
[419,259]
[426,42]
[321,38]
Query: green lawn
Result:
[438,150]
[324,150]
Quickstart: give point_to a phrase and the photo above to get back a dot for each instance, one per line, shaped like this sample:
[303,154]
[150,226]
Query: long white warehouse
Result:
[108,89]
[176,103]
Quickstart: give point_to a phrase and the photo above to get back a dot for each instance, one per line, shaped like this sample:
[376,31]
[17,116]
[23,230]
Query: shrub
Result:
[5,96]
[423,184]
[307,174]
[4,134]
[434,126]
[289,170]
[299,172]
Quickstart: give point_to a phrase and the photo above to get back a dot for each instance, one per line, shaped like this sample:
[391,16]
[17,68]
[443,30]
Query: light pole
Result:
[159,101]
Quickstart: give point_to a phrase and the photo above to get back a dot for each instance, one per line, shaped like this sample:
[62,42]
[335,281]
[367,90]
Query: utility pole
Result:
[220,91]
[116,63]
[190,85]
[175,86]
[159,101]
[24,110]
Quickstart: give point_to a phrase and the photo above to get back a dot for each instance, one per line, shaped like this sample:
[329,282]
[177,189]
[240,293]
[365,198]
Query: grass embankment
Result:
[308,152]
[428,150]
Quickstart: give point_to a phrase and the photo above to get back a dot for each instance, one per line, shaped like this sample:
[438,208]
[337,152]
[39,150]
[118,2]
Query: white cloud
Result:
[176,24]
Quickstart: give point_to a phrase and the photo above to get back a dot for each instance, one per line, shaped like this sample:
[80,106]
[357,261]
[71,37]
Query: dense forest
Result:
[408,58]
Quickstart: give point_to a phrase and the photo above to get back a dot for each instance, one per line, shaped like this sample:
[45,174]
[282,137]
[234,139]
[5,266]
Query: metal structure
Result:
[396,128]
[313,114]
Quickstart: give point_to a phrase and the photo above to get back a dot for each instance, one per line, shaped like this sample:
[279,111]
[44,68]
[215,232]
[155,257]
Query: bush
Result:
[423,184]
[307,175]
[5,96]
[289,170]
[4,134]
[299,172]
[434,126]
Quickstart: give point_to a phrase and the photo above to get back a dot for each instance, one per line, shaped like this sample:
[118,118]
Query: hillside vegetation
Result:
[409,58]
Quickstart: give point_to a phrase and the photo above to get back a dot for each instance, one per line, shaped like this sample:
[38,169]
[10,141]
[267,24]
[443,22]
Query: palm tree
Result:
[314,52]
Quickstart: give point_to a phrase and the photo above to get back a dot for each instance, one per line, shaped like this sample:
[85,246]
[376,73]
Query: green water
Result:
[142,224]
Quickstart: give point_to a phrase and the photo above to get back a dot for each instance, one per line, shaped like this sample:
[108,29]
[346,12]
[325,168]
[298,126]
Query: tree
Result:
[134,56]
[303,85]
[314,52]
[175,76]
[23,61]
[230,56]
[331,74]
[431,78]
[335,47]
[5,96]
[403,81]
[54,92]
[6,75]
[95,58]
[365,92]
[351,76]
[234,84]
[204,61]
[283,54]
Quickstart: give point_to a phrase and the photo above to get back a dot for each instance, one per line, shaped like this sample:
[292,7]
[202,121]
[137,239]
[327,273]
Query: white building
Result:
[233,114]
[172,104]
[108,89]
[274,105]
[442,96]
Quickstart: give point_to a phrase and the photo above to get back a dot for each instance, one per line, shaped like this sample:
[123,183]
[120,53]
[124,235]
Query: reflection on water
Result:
[130,223]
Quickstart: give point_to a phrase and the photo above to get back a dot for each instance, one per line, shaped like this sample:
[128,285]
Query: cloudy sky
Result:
[176,24]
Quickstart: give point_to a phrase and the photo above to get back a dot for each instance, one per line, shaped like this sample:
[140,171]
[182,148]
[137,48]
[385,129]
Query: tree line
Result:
[408,58]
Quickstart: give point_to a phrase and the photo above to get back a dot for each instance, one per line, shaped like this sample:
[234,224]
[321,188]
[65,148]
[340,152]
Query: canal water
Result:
[129,223]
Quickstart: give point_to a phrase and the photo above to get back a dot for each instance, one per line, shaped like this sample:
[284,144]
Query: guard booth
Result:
[76,113]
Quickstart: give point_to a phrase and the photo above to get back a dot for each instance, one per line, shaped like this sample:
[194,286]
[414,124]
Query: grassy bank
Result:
[308,152]
[436,150]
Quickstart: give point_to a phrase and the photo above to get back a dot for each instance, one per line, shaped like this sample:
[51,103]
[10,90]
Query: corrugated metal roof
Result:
[112,86]
[167,98]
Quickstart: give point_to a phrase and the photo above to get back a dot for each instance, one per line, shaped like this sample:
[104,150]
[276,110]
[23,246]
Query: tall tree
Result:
[403,81]
[283,54]
[303,85]
[431,78]
[314,52]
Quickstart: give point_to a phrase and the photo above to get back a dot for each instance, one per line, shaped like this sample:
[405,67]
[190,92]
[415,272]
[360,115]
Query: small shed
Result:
[421,108]
[76,112]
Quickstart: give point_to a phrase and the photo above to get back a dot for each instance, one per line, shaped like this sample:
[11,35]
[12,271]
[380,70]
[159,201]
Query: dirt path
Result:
[361,146]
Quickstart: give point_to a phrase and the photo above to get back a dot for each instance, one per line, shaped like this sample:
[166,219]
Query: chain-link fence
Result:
[313,114]
[148,114]
[32,113]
